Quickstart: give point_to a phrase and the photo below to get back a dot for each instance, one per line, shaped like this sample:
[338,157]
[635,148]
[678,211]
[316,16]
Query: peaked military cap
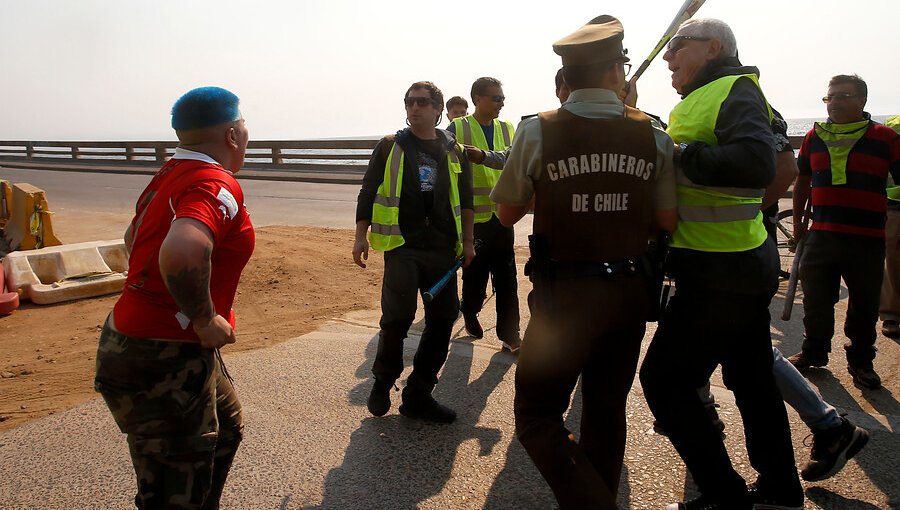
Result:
[599,41]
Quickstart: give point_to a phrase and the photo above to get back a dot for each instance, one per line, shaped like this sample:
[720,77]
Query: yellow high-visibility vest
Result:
[893,122]
[713,218]
[385,234]
[469,132]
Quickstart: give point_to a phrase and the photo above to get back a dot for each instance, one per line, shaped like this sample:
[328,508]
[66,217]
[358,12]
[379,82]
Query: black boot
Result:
[418,404]
[380,398]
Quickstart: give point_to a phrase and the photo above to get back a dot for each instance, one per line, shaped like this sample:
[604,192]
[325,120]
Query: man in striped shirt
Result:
[844,164]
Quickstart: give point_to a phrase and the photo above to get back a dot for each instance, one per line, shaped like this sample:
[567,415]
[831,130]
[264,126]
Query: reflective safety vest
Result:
[469,132]
[839,139]
[385,234]
[713,218]
[893,122]
[893,191]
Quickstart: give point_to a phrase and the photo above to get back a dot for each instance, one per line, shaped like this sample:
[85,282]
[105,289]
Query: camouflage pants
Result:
[180,413]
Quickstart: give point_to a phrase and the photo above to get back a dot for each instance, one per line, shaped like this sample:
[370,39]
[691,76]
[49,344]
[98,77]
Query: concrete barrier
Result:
[9,301]
[63,273]
[29,225]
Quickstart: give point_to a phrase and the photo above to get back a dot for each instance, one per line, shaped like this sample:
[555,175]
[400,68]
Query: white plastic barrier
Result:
[67,272]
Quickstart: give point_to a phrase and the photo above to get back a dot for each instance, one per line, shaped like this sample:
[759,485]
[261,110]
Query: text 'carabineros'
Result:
[604,162]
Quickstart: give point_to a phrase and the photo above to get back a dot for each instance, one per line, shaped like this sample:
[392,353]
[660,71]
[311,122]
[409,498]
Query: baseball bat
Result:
[435,289]
[686,12]
[791,291]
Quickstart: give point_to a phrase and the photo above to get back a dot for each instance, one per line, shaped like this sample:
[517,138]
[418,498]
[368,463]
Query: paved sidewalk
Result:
[310,442]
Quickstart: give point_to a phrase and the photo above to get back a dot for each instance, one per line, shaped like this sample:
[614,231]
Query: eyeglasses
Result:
[677,42]
[421,101]
[839,96]
[627,67]
[498,99]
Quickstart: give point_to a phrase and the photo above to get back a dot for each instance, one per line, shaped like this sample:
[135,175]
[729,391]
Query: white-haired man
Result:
[726,271]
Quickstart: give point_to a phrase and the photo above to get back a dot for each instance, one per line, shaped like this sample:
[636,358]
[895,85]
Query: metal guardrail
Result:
[308,160]
[338,161]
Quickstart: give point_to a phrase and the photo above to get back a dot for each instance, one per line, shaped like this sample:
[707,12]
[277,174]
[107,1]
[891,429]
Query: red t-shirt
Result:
[183,188]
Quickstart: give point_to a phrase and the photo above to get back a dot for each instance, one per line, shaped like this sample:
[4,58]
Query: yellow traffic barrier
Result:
[29,224]
[67,272]
[5,203]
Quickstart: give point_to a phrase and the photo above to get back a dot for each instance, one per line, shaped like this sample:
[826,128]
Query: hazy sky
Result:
[111,69]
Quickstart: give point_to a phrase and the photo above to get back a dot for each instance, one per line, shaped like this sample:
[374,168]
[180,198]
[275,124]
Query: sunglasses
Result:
[496,99]
[838,97]
[677,42]
[421,101]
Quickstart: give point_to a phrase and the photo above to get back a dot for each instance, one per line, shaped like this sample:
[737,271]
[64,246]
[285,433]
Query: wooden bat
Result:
[791,291]
[686,12]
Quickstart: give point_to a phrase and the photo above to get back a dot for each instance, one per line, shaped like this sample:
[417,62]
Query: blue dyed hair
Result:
[204,107]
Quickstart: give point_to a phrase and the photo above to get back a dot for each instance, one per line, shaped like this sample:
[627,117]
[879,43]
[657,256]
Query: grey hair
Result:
[714,29]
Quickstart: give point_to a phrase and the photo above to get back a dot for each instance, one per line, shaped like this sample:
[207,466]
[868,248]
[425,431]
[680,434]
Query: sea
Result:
[799,127]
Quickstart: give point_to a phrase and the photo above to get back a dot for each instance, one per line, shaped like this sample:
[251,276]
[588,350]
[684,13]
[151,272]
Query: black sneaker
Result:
[513,345]
[762,501]
[380,398]
[803,360]
[473,327]
[864,377]
[428,409]
[704,503]
[832,448]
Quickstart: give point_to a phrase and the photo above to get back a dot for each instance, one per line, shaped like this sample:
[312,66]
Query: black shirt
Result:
[426,218]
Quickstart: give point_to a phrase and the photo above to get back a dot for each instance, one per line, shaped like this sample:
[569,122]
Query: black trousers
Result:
[495,257]
[407,273]
[590,327]
[701,328]
[859,260]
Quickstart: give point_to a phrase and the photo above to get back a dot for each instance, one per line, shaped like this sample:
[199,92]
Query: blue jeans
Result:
[797,392]
[800,394]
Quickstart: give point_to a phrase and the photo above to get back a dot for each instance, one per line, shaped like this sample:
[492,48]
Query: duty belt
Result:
[626,267]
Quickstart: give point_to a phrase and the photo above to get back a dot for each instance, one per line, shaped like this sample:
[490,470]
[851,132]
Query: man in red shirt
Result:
[158,364]
[844,165]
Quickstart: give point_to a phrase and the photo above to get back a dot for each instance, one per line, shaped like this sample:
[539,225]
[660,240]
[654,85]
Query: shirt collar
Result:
[593,95]
[182,153]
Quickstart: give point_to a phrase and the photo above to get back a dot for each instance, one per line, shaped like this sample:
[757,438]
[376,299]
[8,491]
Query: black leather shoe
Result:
[428,409]
[473,327]
[864,377]
[803,360]
[380,398]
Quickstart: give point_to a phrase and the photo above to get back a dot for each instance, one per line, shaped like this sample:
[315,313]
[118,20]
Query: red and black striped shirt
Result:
[857,207]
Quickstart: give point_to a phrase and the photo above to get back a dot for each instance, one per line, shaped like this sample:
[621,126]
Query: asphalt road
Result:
[111,197]
[310,443]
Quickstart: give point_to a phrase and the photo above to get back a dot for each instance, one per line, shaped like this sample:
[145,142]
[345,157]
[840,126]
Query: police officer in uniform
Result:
[417,198]
[599,176]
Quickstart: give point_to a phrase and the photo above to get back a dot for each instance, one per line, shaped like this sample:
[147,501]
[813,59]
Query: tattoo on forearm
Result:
[190,289]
